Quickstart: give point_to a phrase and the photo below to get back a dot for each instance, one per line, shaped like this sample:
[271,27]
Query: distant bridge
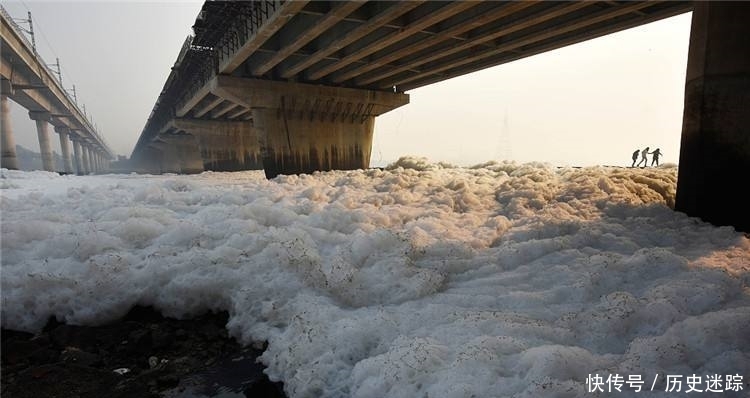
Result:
[27,80]
[294,86]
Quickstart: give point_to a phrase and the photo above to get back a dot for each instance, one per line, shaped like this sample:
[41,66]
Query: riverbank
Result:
[142,355]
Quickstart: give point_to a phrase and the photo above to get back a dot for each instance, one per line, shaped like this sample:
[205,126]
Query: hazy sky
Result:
[591,103]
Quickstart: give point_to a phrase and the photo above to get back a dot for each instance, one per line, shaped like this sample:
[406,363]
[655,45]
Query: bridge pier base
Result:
[45,147]
[294,144]
[8,158]
[180,155]
[224,145]
[304,128]
[715,146]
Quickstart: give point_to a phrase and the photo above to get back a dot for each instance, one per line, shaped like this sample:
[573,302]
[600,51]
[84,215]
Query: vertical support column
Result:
[180,154]
[8,158]
[85,159]
[45,147]
[90,154]
[94,156]
[65,148]
[78,156]
[224,145]
[715,146]
[147,161]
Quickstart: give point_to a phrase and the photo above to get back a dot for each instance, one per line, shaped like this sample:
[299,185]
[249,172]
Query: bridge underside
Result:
[363,47]
[294,86]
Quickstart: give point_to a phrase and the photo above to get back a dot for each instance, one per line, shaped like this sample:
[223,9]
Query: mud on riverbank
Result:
[142,355]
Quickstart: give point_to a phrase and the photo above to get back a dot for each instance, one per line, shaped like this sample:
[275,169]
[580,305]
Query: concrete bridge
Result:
[27,80]
[294,86]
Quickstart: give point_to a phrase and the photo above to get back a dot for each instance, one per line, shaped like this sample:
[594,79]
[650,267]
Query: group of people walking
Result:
[644,157]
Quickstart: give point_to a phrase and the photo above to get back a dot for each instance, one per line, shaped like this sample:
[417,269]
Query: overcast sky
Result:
[587,104]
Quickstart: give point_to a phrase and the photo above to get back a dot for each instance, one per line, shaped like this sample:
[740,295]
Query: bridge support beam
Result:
[8,158]
[224,145]
[45,147]
[715,147]
[65,148]
[304,128]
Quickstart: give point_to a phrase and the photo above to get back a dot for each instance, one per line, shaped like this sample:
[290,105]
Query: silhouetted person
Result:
[635,157]
[644,157]
[655,157]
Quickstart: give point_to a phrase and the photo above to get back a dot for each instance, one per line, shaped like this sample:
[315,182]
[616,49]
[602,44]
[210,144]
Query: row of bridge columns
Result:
[84,159]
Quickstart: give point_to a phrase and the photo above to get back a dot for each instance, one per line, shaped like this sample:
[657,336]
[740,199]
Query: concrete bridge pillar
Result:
[147,161]
[78,160]
[224,145]
[85,159]
[8,158]
[95,160]
[45,147]
[715,147]
[305,128]
[180,154]
[92,161]
[65,148]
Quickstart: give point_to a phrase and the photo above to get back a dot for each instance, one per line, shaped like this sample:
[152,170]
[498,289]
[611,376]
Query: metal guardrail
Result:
[19,32]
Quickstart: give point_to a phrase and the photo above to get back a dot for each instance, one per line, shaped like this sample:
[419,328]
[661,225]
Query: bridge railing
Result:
[182,85]
[71,103]
[205,66]
[240,30]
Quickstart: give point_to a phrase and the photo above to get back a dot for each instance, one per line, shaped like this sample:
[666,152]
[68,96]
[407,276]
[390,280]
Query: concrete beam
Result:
[715,147]
[564,27]
[283,13]
[337,13]
[238,112]
[256,93]
[448,10]
[444,35]
[209,107]
[194,101]
[219,112]
[397,9]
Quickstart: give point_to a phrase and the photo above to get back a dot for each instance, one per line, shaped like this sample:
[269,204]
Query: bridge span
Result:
[26,79]
[294,86]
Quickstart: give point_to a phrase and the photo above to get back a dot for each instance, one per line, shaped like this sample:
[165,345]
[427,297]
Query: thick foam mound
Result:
[418,280]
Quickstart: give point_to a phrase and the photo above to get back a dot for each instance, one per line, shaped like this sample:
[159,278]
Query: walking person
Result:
[644,157]
[635,157]
[655,158]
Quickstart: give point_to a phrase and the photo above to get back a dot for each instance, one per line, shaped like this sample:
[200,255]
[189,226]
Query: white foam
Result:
[420,279]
